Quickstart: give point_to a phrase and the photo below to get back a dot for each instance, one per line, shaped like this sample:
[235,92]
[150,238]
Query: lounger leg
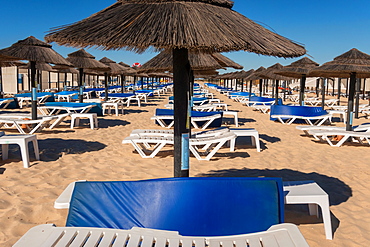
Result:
[36,148]
[25,154]
[5,151]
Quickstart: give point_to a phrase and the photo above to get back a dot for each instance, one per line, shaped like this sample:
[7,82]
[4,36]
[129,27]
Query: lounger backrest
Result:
[303,111]
[214,124]
[192,206]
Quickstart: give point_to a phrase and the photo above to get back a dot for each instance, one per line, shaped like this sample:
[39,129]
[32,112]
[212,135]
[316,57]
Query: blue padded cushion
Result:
[193,206]
[264,99]
[118,95]
[241,94]
[98,109]
[216,123]
[12,105]
[301,111]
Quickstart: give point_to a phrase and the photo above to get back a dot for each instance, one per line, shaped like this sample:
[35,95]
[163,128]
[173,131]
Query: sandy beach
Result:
[27,195]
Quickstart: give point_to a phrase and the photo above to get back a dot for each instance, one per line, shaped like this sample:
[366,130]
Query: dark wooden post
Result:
[323,93]
[276,92]
[339,89]
[105,86]
[301,90]
[81,76]
[34,90]
[352,87]
[358,91]
[181,69]
[261,82]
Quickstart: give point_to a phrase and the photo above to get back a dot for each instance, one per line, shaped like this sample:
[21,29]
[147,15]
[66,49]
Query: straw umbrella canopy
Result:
[35,51]
[351,64]
[198,61]
[270,73]
[84,60]
[299,69]
[179,26]
[256,76]
[124,64]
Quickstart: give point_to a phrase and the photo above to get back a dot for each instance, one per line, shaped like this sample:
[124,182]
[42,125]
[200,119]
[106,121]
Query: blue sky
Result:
[326,28]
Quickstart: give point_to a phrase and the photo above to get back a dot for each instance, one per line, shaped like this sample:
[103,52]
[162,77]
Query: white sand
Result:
[27,195]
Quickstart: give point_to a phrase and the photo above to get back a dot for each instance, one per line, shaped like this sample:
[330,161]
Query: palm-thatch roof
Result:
[11,63]
[298,68]
[65,69]
[269,73]
[32,49]
[198,61]
[158,74]
[342,66]
[115,68]
[207,25]
[124,64]
[255,75]
[39,66]
[84,60]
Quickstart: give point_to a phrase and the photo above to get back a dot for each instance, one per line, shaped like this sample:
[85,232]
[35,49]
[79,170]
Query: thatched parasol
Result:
[198,61]
[35,51]
[256,76]
[84,60]
[351,64]
[204,25]
[299,69]
[124,64]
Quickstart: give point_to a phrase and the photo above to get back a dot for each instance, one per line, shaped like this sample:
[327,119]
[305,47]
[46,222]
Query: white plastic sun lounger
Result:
[325,135]
[30,126]
[47,235]
[5,102]
[160,119]
[210,145]
[365,127]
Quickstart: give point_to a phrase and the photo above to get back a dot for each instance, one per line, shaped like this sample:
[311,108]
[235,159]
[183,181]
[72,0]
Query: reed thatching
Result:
[225,61]
[298,68]
[115,68]
[255,75]
[206,25]
[64,69]
[159,75]
[4,58]
[198,61]
[269,73]
[124,64]
[84,60]
[39,66]
[345,64]
[11,63]
[32,49]
[205,73]
[129,71]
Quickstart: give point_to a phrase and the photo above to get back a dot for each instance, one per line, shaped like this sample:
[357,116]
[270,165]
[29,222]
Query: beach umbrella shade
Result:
[35,51]
[197,59]
[124,64]
[351,64]
[83,60]
[256,76]
[270,73]
[205,25]
[114,69]
[299,69]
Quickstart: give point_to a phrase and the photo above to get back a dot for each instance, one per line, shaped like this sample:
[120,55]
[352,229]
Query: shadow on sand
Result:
[337,190]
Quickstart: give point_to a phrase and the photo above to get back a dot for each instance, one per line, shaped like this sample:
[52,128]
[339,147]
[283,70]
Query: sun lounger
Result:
[24,124]
[327,135]
[306,129]
[203,120]
[208,145]
[66,95]
[4,102]
[26,98]
[287,114]
[124,98]
[53,108]
[48,235]
[193,206]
